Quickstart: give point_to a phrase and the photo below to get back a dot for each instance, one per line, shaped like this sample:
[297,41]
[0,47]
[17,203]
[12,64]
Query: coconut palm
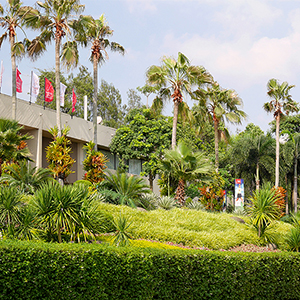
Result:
[25,177]
[54,23]
[216,105]
[95,32]
[16,16]
[281,103]
[173,78]
[12,143]
[185,165]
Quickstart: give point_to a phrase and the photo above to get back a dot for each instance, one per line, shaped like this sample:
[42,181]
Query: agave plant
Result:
[196,205]
[130,187]
[166,202]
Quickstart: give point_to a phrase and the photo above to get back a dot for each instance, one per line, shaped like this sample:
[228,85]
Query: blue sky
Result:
[242,43]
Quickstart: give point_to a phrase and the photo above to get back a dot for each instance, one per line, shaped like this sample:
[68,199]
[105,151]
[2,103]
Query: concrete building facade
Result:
[37,121]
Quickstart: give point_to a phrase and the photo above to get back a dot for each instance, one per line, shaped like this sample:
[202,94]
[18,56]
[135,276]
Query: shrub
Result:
[165,202]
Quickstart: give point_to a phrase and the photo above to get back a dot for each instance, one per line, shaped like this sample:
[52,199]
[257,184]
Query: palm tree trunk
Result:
[151,177]
[257,177]
[216,125]
[175,118]
[57,83]
[14,84]
[295,186]
[95,67]
[277,152]
[180,192]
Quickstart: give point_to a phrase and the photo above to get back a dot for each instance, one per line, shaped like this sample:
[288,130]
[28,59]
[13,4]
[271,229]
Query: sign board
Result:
[239,193]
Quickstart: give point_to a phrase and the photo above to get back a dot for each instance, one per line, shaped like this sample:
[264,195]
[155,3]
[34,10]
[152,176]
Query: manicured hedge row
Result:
[68,271]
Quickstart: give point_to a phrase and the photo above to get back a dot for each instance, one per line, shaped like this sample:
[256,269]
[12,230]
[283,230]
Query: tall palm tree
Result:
[294,140]
[185,165]
[281,103]
[96,32]
[16,15]
[217,105]
[54,23]
[12,143]
[173,78]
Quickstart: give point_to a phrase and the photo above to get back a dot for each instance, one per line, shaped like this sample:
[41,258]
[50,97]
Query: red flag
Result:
[18,82]
[74,100]
[49,91]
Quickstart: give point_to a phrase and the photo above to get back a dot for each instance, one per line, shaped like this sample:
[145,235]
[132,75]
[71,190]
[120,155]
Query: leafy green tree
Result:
[281,103]
[25,177]
[130,187]
[54,23]
[133,100]
[147,90]
[110,105]
[144,138]
[16,17]
[185,165]
[174,78]
[58,154]
[217,105]
[96,32]
[12,142]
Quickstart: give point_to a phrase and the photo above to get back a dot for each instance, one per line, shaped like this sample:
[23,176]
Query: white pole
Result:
[85,107]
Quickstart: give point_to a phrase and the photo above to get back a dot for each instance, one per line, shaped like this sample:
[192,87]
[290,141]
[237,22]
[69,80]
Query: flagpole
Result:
[45,93]
[30,88]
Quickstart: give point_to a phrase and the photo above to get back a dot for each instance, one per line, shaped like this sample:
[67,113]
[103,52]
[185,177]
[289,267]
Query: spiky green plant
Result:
[130,187]
[263,208]
[165,202]
[25,177]
[293,239]
[121,236]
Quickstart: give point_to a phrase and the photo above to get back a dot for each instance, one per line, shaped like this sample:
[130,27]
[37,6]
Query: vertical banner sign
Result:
[62,94]
[49,91]
[18,82]
[1,74]
[35,86]
[74,100]
[239,193]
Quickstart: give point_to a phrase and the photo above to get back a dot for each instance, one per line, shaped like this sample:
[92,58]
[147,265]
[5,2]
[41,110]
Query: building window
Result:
[135,166]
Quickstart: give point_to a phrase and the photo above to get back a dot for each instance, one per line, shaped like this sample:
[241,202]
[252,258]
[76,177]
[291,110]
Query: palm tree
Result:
[130,187]
[55,24]
[173,78]
[15,17]
[294,139]
[184,165]
[281,103]
[96,32]
[25,177]
[12,143]
[217,105]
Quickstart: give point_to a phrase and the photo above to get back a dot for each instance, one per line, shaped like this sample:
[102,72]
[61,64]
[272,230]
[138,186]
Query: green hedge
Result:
[69,271]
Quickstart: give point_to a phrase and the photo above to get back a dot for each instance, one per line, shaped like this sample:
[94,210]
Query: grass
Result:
[192,228]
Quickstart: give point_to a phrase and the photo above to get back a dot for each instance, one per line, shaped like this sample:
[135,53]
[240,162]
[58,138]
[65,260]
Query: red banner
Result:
[74,100]
[18,82]
[49,91]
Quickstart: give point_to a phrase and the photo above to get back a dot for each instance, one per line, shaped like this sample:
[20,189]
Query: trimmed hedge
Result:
[30,270]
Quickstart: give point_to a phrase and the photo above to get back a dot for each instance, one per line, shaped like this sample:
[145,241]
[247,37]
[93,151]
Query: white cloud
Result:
[141,6]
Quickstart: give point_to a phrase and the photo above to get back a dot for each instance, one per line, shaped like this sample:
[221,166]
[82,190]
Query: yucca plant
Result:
[263,208]
[121,236]
[196,205]
[293,239]
[10,205]
[130,187]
